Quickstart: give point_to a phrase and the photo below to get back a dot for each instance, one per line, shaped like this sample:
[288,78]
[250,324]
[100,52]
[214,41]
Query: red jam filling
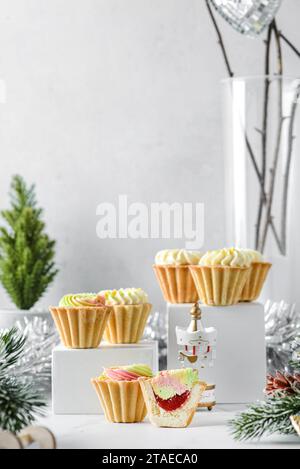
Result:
[174,402]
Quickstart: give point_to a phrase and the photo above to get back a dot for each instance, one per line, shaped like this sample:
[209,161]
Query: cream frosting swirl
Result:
[125,296]
[226,257]
[177,257]
[82,299]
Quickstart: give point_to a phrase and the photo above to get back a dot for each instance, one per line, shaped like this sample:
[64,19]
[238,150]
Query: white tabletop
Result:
[208,430]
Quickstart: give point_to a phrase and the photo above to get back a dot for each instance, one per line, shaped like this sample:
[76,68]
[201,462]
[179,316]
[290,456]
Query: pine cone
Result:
[283,383]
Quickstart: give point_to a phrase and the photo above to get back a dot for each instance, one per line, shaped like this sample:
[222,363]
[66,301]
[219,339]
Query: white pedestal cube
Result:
[72,370]
[239,371]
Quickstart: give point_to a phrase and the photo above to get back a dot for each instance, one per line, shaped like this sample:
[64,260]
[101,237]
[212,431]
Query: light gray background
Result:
[109,97]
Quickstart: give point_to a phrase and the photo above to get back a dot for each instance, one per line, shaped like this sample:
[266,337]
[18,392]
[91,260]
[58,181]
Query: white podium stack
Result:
[72,370]
[239,370]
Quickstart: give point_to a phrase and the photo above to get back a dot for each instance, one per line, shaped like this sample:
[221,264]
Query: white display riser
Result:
[72,370]
[239,370]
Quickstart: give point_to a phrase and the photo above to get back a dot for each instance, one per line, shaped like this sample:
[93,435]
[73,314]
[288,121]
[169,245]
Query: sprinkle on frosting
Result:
[125,296]
[177,257]
[169,383]
[226,257]
[82,299]
[126,373]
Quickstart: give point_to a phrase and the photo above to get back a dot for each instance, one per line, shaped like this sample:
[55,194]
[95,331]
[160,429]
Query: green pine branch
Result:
[27,253]
[266,418]
[295,365]
[11,348]
[19,403]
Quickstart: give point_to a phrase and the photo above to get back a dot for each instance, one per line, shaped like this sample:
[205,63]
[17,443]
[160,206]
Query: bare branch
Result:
[279,49]
[258,173]
[264,134]
[286,176]
[289,43]
[220,39]
[281,119]
[270,195]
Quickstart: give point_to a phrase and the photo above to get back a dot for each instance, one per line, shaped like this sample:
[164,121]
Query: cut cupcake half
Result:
[295,419]
[172,397]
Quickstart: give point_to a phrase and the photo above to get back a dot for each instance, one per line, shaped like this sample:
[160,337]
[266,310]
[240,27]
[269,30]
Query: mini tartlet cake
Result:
[172,397]
[258,274]
[81,319]
[221,276]
[130,311]
[120,394]
[172,271]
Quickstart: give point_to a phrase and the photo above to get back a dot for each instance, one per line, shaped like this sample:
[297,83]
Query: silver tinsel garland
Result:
[282,322]
[296,353]
[35,364]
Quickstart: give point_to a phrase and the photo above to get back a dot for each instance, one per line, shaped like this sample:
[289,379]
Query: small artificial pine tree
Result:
[26,252]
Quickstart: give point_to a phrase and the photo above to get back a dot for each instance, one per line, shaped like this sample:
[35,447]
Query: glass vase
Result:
[261,126]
